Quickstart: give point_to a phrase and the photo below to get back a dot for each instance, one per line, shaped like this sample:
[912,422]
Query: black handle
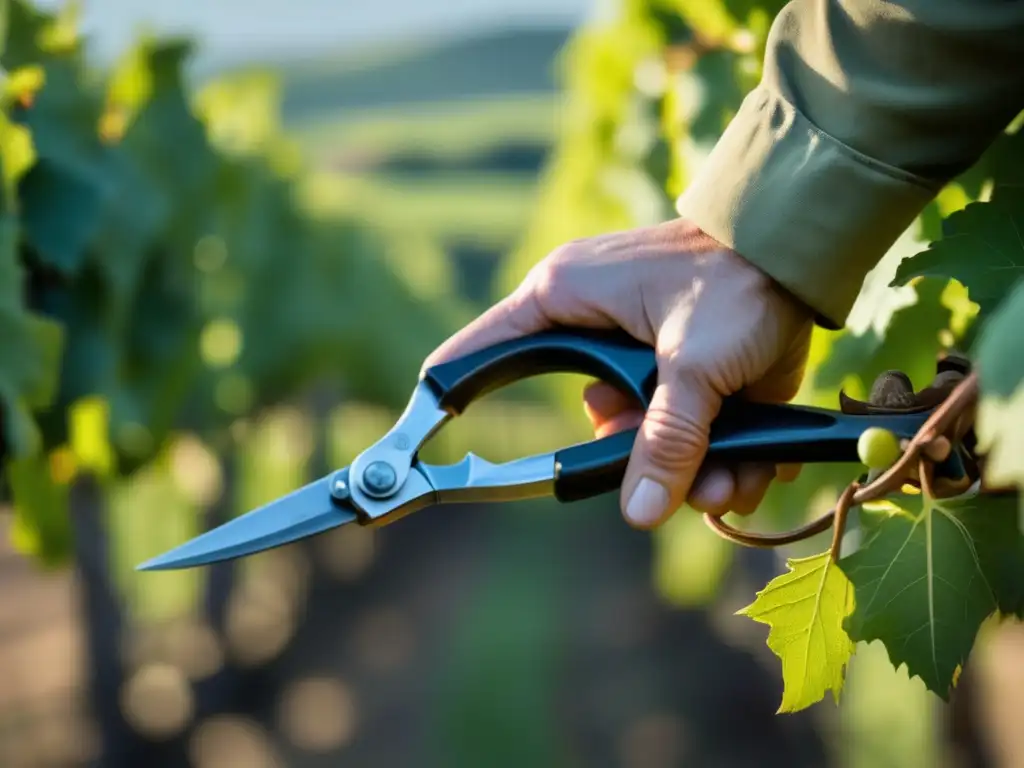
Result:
[612,356]
[743,431]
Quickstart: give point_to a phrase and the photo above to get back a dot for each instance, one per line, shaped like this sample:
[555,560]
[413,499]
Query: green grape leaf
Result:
[17,155]
[928,573]
[131,223]
[241,112]
[981,247]
[167,119]
[63,195]
[718,74]
[1001,439]
[999,356]
[999,350]
[4,14]
[23,29]
[911,343]
[30,349]
[712,18]
[60,216]
[805,609]
[42,524]
[1001,164]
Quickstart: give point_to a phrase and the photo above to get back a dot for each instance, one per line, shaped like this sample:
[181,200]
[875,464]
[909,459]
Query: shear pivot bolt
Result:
[379,477]
[339,486]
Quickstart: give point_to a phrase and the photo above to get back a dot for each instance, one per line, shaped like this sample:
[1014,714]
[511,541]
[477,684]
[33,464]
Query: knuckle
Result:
[697,367]
[673,439]
[552,274]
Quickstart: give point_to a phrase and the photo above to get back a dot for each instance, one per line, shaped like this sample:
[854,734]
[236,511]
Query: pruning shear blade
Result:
[305,512]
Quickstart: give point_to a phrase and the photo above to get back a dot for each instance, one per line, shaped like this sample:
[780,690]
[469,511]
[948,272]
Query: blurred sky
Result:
[243,29]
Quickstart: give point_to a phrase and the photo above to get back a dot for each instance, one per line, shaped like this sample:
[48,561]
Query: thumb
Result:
[669,449]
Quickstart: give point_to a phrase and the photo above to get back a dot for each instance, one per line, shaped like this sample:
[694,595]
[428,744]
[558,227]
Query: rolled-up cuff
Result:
[811,212]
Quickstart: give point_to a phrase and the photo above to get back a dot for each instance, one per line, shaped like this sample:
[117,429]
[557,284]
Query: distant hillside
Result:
[507,62]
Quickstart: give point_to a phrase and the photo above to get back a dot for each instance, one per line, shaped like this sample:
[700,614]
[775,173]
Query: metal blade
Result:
[308,511]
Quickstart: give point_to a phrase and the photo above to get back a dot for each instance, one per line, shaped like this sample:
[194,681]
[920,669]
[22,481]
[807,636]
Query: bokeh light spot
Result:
[196,470]
[346,552]
[233,393]
[220,342]
[210,253]
[384,639]
[232,742]
[157,701]
[260,621]
[653,741]
[318,715]
[195,648]
[134,438]
[189,645]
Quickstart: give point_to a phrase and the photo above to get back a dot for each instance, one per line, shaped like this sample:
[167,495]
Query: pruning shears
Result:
[388,481]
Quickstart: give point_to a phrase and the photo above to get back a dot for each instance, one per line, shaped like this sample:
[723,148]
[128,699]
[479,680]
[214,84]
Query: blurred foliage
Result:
[166,282]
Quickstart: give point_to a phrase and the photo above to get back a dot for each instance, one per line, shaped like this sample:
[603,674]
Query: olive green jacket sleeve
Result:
[865,110]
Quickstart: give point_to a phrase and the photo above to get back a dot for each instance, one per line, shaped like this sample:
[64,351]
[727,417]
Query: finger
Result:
[619,423]
[609,410]
[669,448]
[752,483]
[603,401]
[712,490]
[787,473]
[519,314]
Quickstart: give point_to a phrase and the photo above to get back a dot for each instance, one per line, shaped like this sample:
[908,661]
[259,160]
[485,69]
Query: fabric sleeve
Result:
[865,110]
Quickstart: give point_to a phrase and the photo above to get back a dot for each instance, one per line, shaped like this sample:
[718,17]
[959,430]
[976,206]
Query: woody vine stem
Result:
[932,443]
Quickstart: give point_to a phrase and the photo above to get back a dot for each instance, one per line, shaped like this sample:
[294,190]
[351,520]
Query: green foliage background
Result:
[163,277]
[167,288]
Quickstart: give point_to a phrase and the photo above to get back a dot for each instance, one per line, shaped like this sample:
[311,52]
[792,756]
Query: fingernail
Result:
[648,503]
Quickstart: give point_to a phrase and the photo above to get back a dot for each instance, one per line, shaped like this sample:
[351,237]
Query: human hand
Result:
[717,324]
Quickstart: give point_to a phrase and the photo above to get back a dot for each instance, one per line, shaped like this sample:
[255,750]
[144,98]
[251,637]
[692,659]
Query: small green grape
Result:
[878,448]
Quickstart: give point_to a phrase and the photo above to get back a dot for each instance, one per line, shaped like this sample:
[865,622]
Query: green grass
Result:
[448,130]
[485,209]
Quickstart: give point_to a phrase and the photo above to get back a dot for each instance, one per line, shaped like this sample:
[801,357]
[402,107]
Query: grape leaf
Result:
[721,95]
[42,526]
[911,343]
[61,214]
[928,573]
[29,352]
[999,356]
[999,350]
[805,609]
[1000,164]
[982,247]
[23,26]
[17,155]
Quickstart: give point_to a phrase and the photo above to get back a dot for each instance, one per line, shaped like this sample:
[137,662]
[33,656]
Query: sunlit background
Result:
[432,143]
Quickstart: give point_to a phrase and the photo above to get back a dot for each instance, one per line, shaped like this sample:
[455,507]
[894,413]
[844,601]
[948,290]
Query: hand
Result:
[717,324]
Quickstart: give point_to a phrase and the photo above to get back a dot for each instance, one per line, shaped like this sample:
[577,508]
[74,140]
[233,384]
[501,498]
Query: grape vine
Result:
[160,274]
[649,88]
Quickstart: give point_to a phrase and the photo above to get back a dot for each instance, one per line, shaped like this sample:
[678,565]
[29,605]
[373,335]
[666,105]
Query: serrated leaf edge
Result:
[827,563]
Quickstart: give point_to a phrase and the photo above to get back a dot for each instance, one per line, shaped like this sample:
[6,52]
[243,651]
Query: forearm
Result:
[865,110]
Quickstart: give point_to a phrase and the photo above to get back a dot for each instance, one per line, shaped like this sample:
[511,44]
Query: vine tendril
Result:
[932,441]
